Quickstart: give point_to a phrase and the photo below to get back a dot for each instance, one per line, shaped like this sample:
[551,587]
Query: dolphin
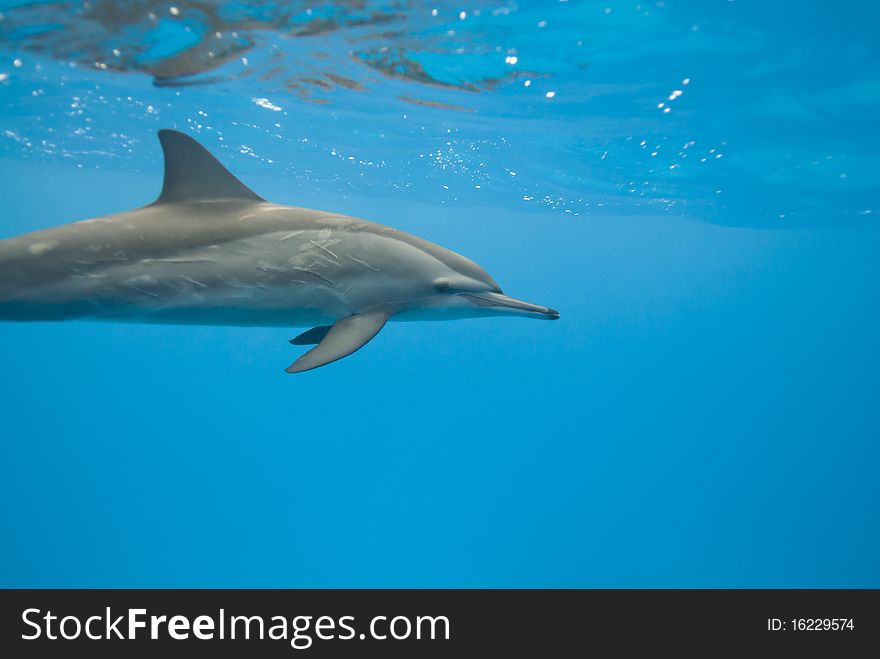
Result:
[209,251]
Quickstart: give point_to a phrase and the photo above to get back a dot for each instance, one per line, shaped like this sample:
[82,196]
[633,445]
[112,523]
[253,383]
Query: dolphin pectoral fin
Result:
[343,338]
[312,336]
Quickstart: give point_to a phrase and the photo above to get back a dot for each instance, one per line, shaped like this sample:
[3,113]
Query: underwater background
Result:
[693,185]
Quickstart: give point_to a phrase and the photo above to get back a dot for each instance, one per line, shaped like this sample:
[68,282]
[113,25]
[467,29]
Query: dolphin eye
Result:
[442,285]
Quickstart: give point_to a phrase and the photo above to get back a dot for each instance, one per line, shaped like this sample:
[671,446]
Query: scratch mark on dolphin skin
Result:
[314,274]
[193,281]
[265,267]
[248,216]
[42,246]
[290,235]
[108,259]
[320,246]
[141,290]
[363,263]
[79,273]
[141,279]
[203,259]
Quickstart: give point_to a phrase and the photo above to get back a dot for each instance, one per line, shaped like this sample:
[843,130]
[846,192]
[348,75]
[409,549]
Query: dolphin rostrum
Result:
[209,251]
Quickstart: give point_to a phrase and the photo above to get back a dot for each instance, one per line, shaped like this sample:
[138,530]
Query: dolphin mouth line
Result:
[501,301]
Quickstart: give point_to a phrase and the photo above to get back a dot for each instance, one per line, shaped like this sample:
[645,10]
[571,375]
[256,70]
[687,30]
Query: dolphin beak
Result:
[511,305]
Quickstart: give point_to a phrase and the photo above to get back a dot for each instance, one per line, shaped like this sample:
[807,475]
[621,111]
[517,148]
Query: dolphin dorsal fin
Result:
[193,174]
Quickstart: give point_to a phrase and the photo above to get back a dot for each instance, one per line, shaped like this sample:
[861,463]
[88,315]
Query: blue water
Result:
[706,412]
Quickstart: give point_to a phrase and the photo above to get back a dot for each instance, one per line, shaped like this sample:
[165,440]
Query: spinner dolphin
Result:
[209,251]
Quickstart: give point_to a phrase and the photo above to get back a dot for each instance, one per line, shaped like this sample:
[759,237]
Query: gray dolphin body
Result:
[209,251]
